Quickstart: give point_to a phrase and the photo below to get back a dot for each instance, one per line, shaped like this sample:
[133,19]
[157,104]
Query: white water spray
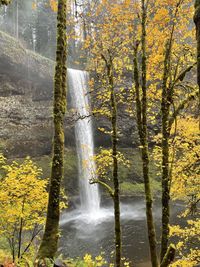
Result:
[89,194]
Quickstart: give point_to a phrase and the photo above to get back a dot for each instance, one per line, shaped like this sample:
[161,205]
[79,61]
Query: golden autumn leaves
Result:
[52,3]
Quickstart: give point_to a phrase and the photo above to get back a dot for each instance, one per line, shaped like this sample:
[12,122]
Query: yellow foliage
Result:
[54,5]
[190,237]
[99,261]
[34,5]
[104,162]
[186,172]
[23,202]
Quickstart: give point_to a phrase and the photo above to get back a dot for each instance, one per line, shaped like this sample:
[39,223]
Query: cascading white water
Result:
[89,194]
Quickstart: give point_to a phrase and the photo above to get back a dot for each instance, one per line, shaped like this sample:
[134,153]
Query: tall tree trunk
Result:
[141,108]
[165,108]
[167,95]
[197,23]
[49,243]
[20,231]
[116,197]
[5,2]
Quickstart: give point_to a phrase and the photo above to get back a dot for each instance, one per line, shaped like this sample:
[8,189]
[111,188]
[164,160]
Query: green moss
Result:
[137,189]
[134,173]
[197,3]
[132,188]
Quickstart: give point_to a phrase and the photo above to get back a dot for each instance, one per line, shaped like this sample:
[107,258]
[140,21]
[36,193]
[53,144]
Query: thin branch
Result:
[137,89]
[182,106]
[169,256]
[106,186]
[31,241]
[182,75]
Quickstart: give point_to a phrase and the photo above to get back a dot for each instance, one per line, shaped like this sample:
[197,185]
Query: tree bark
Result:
[115,169]
[49,243]
[141,109]
[197,24]
[4,2]
[165,108]
[169,256]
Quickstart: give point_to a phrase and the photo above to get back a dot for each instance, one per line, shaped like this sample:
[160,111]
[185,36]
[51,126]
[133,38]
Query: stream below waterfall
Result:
[83,233]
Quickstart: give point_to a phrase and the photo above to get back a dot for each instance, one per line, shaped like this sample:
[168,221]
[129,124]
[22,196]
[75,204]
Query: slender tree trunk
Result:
[165,108]
[116,197]
[20,231]
[144,143]
[141,108]
[5,2]
[167,95]
[20,238]
[197,23]
[49,243]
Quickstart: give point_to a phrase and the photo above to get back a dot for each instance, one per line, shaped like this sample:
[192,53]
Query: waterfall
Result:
[89,194]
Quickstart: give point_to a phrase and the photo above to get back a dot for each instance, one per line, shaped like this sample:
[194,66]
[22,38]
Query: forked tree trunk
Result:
[49,243]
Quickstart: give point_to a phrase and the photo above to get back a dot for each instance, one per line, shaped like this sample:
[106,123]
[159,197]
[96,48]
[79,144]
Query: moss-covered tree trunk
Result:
[116,196]
[197,23]
[5,2]
[141,108]
[165,108]
[49,243]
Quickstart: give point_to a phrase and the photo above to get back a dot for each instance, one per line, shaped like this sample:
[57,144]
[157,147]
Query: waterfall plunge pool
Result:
[94,233]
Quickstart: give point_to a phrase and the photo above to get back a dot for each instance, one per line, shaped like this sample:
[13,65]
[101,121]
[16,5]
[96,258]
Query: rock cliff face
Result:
[26,89]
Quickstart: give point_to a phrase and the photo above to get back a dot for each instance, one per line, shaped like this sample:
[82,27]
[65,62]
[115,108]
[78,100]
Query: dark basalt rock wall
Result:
[26,91]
